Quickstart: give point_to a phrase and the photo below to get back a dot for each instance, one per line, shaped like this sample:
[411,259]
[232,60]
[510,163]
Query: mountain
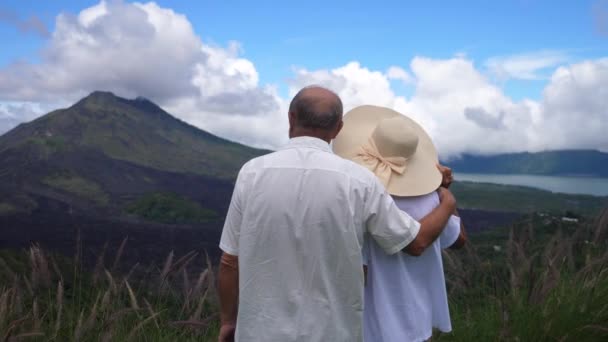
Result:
[113,157]
[109,167]
[136,131]
[562,163]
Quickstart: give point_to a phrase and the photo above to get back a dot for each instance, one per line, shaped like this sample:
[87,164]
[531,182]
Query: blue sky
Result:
[515,46]
[324,34]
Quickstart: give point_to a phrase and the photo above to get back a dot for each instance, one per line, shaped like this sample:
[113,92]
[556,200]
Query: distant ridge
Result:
[558,163]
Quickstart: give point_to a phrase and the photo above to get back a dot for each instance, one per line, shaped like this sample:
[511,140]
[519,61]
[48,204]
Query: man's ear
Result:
[292,119]
[337,129]
[292,122]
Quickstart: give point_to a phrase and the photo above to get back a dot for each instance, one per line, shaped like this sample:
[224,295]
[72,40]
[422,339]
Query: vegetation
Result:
[136,131]
[7,208]
[17,204]
[546,282]
[78,186]
[540,280]
[574,162]
[90,159]
[523,199]
[170,208]
[45,298]
[51,142]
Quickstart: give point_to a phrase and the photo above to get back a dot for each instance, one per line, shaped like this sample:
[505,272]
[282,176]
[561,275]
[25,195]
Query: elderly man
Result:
[291,267]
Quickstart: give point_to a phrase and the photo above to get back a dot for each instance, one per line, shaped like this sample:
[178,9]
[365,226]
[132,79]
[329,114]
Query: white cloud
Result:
[398,73]
[355,84]
[528,66]
[130,49]
[465,112]
[448,89]
[575,107]
[145,50]
[484,119]
[14,113]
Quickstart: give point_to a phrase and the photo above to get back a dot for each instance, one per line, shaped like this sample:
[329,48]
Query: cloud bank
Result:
[146,50]
[465,112]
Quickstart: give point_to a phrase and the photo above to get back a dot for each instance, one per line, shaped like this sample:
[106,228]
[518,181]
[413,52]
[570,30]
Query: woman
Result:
[405,296]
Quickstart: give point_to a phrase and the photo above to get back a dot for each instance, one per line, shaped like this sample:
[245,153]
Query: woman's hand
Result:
[448,178]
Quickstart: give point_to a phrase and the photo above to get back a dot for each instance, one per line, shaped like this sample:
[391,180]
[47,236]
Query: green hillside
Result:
[574,162]
[108,156]
[137,131]
[497,197]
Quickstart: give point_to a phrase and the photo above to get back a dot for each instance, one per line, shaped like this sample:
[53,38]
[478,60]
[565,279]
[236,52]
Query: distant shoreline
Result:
[575,185]
[565,175]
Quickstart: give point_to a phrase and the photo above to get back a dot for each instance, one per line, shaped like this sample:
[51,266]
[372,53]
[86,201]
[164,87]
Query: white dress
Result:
[405,296]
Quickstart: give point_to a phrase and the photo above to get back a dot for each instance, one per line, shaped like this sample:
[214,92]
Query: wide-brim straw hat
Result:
[391,145]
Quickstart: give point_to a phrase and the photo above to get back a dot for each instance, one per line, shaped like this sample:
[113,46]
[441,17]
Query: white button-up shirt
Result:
[297,220]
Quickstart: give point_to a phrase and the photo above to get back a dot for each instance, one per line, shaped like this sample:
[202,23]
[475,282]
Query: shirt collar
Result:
[307,142]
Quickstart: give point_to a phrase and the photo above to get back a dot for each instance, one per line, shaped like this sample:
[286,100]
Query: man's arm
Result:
[228,291]
[228,277]
[389,226]
[433,224]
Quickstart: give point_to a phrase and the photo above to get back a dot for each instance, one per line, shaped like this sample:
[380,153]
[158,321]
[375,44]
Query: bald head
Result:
[317,108]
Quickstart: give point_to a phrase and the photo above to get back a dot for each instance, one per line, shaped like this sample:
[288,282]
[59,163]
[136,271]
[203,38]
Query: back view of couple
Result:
[303,220]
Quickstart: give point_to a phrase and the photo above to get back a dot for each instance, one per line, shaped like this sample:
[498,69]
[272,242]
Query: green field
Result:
[169,208]
[498,197]
[79,186]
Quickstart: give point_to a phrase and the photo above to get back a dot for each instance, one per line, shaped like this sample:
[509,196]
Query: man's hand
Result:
[227,331]
[446,197]
[446,172]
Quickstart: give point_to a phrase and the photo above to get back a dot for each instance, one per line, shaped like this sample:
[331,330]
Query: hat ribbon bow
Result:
[383,167]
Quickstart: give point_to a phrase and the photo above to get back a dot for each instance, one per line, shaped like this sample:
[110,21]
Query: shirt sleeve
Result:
[450,232]
[389,226]
[229,242]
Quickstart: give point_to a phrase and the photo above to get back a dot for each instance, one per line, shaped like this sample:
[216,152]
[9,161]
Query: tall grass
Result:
[548,283]
[553,288]
[46,298]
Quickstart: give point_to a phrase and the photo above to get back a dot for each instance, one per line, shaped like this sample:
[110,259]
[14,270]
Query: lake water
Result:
[568,185]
